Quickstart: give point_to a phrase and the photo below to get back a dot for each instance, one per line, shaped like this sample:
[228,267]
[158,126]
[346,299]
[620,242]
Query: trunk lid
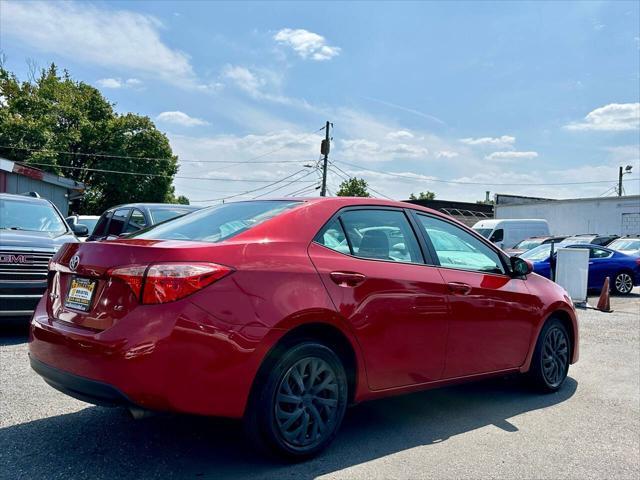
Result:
[110,299]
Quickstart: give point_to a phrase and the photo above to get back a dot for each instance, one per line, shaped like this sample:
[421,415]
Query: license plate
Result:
[80,294]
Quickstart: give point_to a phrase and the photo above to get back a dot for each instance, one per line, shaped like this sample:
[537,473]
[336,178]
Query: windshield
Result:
[160,215]
[528,244]
[219,223]
[537,254]
[485,232]
[625,244]
[30,216]
[574,240]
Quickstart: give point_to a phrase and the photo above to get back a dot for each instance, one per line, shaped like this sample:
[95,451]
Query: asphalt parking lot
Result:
[498,428]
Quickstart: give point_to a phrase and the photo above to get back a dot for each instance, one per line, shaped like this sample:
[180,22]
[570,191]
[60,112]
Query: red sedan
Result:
[283,312]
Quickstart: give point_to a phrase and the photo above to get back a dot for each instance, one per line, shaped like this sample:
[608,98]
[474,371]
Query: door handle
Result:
[459,288]
[347,279]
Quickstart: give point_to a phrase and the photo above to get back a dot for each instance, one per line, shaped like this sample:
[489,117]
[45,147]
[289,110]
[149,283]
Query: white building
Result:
[602,215]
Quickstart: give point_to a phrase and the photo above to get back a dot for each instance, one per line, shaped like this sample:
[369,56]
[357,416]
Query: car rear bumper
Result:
[82,388]
[156,358]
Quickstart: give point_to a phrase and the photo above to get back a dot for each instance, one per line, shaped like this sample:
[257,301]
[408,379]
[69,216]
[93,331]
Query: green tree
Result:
[423,196]
[354,187]
[42,120]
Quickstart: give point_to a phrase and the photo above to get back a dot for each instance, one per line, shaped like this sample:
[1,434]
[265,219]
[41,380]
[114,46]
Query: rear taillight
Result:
[168,282]
[638,261]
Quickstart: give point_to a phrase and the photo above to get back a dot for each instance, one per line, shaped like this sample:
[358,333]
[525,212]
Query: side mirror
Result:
[80,230]
[521,267]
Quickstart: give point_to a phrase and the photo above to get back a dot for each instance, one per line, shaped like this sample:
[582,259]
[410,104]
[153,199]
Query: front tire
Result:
[623,283]
[551,357]
[297,406]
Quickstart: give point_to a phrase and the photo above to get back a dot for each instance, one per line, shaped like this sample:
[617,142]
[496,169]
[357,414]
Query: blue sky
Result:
[488,95]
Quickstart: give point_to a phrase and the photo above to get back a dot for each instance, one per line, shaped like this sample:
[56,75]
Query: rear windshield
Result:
[218,223]
[160,215]
[31,216]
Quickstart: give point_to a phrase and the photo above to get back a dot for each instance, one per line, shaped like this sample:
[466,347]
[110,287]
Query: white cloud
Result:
[180,118]
[372,151]
[613,117]
[3,101]
[119,39]
[119,83]
[510,156]
[446,154]
[505,141]
[399,135]
[306,44]
[244,78]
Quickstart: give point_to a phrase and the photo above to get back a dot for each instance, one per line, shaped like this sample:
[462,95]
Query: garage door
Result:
[630,223]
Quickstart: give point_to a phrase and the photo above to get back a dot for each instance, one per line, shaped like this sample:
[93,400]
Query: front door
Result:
[373,268]
[492,314]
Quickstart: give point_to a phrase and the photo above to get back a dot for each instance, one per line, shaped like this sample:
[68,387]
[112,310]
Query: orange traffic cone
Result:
[603,301]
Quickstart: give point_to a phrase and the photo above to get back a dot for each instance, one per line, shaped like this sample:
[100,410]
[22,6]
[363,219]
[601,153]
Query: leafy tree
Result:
[423,196]
[354,187]
[42,120]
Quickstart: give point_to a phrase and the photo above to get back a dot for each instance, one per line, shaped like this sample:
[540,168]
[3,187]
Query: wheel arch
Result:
[569,321]
[323,332]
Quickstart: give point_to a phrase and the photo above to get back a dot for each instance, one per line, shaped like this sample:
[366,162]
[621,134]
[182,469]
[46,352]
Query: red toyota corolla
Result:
[284,312]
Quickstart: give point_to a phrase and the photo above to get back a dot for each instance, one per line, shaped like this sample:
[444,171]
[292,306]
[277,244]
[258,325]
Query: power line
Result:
[282,186]
[430,179]
[125,157]
[157,174]
[253,190]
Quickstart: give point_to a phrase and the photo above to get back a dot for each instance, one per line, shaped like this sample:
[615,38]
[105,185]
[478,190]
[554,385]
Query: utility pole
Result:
[620,181]
[325,146]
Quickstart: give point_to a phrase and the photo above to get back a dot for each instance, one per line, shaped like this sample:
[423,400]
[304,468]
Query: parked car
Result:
[88,221]
[589,238]
[31,231]
[283,312]
[129,218]
[506,233]
[629,245]
[532,242]
[623,270]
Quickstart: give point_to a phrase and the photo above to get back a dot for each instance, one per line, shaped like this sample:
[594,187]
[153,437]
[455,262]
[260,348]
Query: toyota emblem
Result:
[74,262]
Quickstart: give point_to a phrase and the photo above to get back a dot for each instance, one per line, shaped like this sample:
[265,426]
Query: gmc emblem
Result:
[13,258]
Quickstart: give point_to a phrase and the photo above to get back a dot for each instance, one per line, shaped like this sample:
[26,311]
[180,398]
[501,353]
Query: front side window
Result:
[456,248]
[31,216]
[381,235]
[118,221]
[215,224]
[497,236]
[598,253]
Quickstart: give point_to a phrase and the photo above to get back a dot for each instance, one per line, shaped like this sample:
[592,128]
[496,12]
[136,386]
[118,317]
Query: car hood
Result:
[21,239]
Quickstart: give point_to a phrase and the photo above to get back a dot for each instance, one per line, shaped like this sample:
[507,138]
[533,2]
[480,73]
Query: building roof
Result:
[37,174]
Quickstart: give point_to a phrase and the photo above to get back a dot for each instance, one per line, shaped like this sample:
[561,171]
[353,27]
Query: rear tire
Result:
[551,357]
[623,283]
[297,405]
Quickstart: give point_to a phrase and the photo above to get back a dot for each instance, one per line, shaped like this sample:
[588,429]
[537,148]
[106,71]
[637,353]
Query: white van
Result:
[507,232]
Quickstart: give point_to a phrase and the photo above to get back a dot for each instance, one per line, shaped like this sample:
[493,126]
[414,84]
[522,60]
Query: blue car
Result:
[623,270]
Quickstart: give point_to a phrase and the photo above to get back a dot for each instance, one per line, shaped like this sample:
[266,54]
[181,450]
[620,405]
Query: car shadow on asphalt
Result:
[98,442]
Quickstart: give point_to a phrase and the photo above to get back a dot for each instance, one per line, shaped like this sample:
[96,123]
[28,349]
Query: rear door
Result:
[371,263]
[492,314]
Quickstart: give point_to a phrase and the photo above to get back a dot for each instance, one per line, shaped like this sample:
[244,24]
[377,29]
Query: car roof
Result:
[24,198]
[167,206]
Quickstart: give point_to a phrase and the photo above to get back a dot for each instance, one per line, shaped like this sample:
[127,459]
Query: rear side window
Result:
[332,236]
[219,223]
[376,234]
[598,253]
[136,221]
[101,226]
[456,248]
